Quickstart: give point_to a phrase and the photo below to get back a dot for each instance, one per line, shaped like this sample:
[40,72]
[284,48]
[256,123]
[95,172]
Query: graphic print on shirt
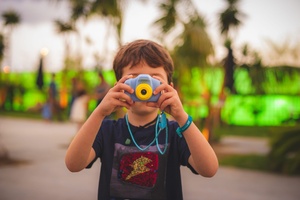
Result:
[139,168]
[138,174]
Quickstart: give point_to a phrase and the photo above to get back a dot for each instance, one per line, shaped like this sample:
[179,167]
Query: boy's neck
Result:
[140,120]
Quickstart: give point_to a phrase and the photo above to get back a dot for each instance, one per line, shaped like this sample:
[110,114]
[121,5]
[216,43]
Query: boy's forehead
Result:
[144,69]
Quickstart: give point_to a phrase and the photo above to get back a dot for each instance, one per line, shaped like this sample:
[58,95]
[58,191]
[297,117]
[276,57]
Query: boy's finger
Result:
[124,78]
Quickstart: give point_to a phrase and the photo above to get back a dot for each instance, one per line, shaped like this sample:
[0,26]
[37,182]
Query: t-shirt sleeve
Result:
[103,140]
[97,148]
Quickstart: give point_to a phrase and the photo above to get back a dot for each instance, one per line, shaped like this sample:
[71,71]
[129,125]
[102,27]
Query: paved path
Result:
[45,176]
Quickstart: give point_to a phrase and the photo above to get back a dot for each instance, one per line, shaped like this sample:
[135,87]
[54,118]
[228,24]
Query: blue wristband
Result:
[187,124]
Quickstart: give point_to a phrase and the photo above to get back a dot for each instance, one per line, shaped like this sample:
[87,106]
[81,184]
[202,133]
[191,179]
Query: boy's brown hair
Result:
[140,51]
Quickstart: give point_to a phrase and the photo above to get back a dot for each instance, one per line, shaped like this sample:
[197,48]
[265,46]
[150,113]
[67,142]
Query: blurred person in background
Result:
[79,107]
[101,89]
[73,93]
[52,107]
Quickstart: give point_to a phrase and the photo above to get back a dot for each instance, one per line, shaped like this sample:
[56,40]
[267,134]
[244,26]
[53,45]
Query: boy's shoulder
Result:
[114,122]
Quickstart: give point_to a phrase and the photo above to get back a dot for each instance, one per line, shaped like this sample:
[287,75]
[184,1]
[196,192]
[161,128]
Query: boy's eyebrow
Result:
[160,75]
[154,74]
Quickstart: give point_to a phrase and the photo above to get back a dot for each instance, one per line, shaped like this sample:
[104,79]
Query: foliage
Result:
[109,10]
[230,18]
[283,156]
[192,45]
[229,65]
[11,18]
[281,77]
[244,108]
[285,152]
[64,27]
[256,79]
[19,92]
[261,110]
[251,161]
[245,131]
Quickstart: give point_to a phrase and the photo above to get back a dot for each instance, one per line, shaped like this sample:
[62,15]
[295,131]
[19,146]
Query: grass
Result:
[249,131]
[18,114]
[253,131]
[250,161]
[28,115]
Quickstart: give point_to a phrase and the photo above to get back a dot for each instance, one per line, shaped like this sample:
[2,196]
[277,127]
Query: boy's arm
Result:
[80,152]
[203,158]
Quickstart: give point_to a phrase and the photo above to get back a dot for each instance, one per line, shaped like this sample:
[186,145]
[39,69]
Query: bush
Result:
[285,152]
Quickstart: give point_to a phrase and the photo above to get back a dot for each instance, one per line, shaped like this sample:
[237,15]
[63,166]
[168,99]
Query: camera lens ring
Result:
[143,91]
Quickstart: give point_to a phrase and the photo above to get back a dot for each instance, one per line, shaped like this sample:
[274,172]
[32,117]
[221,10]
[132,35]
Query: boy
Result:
[141,154]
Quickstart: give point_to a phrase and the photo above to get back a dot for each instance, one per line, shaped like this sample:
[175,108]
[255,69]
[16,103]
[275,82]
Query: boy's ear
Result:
[172,84]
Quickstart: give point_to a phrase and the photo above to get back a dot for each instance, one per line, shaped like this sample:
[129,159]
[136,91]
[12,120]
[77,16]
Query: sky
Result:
[275,20]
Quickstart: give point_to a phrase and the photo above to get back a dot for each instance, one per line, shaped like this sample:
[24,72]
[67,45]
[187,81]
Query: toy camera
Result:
[143,86]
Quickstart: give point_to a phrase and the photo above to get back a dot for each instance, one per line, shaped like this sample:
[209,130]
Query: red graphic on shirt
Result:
[139,168]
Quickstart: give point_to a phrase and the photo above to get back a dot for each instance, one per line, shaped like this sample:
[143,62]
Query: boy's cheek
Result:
[152,104]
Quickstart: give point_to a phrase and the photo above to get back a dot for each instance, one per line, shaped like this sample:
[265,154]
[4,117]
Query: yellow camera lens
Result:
[143,91]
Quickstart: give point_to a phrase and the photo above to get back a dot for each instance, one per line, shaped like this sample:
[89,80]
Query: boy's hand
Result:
[116,98]
[169,100]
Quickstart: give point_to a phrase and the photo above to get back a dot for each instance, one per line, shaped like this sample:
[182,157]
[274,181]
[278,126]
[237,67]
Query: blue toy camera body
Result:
[143,86]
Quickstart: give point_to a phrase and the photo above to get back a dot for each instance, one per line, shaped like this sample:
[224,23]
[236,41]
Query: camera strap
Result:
[161,123]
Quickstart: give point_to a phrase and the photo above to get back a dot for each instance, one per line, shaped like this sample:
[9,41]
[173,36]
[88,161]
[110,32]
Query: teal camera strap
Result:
[161,123]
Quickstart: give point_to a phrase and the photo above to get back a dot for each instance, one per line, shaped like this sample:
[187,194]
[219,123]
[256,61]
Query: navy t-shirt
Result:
[128,172]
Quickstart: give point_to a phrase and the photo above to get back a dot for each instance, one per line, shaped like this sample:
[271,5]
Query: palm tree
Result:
[79,10]
[228,64]
[11,19]
[66,29]
[2,49]
[230,18]
[196,45]
[2,89]
[112,12]
[109,11]
[193,45]
[193,36]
